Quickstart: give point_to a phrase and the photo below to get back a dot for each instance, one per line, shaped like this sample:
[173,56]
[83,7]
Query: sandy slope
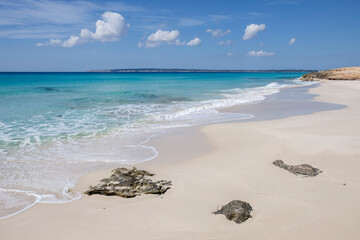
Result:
[234,162]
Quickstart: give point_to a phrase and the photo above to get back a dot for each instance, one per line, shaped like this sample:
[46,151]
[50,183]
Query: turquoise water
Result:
[54,127]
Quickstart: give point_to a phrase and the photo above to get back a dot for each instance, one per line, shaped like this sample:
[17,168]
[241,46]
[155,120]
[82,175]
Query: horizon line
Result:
[168,70]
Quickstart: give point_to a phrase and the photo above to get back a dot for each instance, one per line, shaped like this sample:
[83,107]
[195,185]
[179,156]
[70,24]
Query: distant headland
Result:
[181,70]
[347,73]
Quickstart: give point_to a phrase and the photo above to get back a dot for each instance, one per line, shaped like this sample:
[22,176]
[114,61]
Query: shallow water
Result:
[54,127]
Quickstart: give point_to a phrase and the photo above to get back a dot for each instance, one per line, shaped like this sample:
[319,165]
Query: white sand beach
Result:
[218,163]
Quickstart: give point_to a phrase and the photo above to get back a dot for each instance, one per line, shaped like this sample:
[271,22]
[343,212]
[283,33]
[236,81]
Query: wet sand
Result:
[214,164]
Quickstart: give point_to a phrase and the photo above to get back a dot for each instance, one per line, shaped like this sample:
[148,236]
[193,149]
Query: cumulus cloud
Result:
[227,42]
[218,33]
[167,37]
[72,41]
[111,28]
[260,54]
[179,43]
[195,42]
[160,36]
[252,30]
[292,41]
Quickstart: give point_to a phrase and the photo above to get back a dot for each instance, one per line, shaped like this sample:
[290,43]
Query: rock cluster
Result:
[236,210]
[128,183]
[303,169]
[348,73]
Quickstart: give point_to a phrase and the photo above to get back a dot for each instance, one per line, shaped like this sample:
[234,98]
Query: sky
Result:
[48,35]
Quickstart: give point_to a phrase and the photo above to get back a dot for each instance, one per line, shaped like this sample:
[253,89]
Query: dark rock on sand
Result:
[236,210]
[303,169]
[128,183]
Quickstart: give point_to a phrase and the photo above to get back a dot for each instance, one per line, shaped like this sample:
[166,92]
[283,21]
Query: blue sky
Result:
[47,35]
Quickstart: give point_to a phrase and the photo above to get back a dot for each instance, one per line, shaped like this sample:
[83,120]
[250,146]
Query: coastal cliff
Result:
[347,73]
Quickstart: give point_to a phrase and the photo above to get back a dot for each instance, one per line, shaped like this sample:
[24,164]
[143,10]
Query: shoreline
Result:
[147,137]
[195,169]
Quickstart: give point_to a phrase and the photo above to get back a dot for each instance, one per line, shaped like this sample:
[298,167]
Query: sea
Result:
[56,127]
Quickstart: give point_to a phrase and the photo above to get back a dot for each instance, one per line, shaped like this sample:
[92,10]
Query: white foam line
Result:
[65,191]
[147,139]
[275,87]
[30,193]
[70,185]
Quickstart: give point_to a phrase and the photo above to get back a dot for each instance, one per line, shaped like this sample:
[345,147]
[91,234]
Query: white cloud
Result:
[52,42]
[72,41]
[167,37]
[227,42]
[55,41]
[260,54]
[179,43]
[40,19]
[160,37]
[252,29]
[292,41]
[110,29]
[164,36]
[195,42]
[218,33]
[29,12]
[230,54]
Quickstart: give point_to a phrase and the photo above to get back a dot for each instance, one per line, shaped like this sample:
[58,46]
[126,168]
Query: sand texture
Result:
[235,163]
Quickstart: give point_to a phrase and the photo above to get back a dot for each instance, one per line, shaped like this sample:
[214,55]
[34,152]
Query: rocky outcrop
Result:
[128,183]
[303,169]
[236,210]
[348,73]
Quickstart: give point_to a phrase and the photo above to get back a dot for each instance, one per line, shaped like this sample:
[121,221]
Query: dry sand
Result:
[231,161]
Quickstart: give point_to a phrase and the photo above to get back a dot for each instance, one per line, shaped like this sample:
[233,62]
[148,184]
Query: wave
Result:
[13,201]
[230,98]
[75,143]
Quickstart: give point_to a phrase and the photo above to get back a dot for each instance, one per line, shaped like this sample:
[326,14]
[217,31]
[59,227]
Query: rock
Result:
[303,169]
[128,183]
[236,210]
[348,73]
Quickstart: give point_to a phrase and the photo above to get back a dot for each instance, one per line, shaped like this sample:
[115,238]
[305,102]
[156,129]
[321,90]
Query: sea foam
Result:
[43,155]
